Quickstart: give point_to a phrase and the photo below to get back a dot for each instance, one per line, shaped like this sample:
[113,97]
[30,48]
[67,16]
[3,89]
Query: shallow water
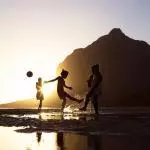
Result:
[113,129]
[12,140]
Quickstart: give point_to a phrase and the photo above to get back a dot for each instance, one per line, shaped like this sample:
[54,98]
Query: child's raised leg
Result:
[73,98]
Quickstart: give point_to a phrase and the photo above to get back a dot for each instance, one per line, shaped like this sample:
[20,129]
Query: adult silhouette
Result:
[94,83]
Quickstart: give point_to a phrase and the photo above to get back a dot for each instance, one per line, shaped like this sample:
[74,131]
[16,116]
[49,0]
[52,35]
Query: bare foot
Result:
[82,109]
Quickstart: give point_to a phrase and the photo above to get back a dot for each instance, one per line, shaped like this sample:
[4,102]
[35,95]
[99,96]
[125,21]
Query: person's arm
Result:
[68,87]
[94,86]
[89,81]
[38,87]
[51,80]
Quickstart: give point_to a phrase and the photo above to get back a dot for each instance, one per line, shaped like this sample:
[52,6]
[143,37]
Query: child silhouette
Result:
[39,94]
[60,88]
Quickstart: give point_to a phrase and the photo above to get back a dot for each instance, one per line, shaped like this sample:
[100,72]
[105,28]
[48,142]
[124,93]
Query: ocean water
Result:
[113,129]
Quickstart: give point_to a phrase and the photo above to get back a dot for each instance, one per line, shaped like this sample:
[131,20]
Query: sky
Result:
[37,35]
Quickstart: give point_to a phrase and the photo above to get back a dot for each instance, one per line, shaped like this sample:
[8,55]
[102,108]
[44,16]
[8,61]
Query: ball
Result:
[29,74]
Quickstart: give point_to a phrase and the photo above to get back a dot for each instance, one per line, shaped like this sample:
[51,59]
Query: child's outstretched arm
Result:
[51,80]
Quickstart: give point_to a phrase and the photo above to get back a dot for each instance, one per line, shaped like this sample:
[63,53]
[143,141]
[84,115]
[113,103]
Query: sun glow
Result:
[34,141]
[24,87]
[48,89]
[47,74]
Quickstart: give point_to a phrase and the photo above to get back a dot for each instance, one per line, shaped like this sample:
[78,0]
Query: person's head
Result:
[95,68]
[64,74]
[39,79]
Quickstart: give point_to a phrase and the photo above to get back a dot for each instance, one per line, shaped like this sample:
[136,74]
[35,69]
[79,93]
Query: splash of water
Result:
[68,109]
[71,108]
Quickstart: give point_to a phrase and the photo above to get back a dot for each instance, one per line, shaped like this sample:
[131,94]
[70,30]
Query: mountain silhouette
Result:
[124,64]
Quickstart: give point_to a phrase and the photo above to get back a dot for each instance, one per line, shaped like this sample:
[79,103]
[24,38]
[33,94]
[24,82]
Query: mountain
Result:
[125,66]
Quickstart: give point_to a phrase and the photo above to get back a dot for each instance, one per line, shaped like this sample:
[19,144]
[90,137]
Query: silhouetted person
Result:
[94,82]
[60,140]
[39,94]
[60,88]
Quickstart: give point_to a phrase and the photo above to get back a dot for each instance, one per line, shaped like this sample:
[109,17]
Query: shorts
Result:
[62,95]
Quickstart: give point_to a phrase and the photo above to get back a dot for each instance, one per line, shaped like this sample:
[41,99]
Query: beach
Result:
[112,129]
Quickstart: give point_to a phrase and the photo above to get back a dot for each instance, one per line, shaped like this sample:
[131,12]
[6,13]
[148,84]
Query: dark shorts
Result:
[62,95]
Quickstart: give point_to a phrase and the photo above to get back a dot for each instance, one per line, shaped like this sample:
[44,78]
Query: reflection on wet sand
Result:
[75,131]
[39,133]
[69,141]
[94,142]
[60,140]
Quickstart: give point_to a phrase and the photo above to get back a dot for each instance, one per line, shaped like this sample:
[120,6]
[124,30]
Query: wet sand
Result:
[112,129]
[109,122]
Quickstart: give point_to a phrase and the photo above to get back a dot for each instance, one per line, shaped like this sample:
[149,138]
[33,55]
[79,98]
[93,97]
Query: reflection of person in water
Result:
[39,94]
[94,142]
[39,133]
[60,140]
[60,88]
[95,89]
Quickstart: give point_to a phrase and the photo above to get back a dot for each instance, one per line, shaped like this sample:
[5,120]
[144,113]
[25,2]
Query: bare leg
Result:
[40,105]
[87,99]
[63,105]
[95,103]
[73,98]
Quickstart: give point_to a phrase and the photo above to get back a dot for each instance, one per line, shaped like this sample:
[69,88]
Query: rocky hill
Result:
[125,66]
